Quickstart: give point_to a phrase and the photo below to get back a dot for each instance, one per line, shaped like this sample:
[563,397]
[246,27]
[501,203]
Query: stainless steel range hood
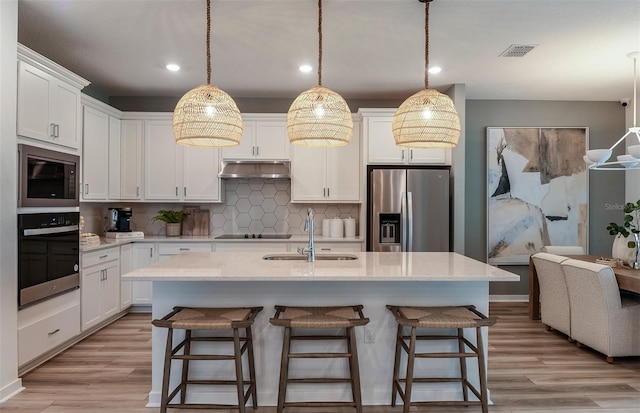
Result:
[255,169]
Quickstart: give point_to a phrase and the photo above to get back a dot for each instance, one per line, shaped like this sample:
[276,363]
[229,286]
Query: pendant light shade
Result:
[427,119]
[207,116]
[319,117]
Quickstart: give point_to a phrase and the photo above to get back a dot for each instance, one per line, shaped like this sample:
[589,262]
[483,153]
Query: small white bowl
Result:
[599,155]
[634,150]
[628,161]
[588,161]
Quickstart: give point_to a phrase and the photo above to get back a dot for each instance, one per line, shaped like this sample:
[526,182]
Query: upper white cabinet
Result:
[327,174]
[177,173]
[100,151]
[264,137]
[49,108]
[382,149]
[131,159]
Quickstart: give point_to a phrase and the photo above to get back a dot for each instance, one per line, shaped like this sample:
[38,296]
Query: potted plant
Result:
[173,219]
[627,235]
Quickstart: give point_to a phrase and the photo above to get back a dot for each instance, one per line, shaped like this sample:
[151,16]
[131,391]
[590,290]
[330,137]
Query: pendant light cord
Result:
[208,42]
[319,42]
[426,44]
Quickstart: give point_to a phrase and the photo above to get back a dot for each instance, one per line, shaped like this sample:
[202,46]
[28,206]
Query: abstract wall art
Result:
[537,191]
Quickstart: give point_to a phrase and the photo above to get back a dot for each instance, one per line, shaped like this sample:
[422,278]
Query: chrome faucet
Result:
[310,251]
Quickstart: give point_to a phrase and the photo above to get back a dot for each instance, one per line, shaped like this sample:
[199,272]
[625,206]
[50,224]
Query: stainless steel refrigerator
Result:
[408,209]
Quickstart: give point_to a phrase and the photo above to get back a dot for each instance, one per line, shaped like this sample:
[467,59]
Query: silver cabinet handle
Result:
[137,191]
[151,252]
[176,191]
[86,189]
[53,130]
[411,154]
[324,192]
[185,249]
[57,131]
[253,150]
[103,256]
[53,332]
[184,191]
[257,150]
[328,192]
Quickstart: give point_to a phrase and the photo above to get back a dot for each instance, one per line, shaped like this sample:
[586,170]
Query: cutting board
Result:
[196,222]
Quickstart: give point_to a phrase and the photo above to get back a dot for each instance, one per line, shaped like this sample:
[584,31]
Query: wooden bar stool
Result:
[190,319]
[346,317]
[457,318]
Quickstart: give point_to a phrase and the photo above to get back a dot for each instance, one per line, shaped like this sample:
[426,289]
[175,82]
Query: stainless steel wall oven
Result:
[48,255]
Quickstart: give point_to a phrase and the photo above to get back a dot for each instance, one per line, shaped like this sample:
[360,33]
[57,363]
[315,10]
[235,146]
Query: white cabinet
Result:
[47,325]
[131,159]
[144,254]
[100,150]
[382,148]
[264,137]
[248,246]
[49,107]
[100,286]
[168,249]
[178,173]
[126,265]
[322,246]
[327,174]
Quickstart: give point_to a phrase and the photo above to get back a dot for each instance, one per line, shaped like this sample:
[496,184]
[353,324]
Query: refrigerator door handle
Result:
[403,222]
[409,207]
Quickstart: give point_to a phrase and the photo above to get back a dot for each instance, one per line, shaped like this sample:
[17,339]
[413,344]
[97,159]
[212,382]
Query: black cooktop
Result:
[254,236]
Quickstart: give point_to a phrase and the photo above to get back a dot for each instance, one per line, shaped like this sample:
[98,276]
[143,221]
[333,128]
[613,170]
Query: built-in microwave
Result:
[47,178]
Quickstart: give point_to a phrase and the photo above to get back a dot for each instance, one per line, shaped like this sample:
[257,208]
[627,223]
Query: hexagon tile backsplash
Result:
[259,206]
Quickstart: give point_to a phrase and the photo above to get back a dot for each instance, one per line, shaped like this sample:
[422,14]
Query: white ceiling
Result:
[372,48]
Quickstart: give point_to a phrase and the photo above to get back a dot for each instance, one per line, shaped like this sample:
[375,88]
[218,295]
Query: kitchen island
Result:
[373,280]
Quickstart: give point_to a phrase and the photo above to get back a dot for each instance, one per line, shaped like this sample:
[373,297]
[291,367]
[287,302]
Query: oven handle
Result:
[55,230]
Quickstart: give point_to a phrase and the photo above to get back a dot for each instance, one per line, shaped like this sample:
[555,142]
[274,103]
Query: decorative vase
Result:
[621,250]
[173,229]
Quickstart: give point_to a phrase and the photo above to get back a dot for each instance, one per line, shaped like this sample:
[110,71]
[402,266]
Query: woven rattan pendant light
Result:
[319,117]
[207,116]
[428,118]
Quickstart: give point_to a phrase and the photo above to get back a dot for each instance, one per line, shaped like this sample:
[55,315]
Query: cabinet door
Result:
[66,114]
[162,161]
[114,158]
[343,170]
[131,159]
[200,180]
[246,148]
[126,265]
[428,156]
[382,146]
[272,142]
[95,162]
[141,291]
[308,169]
[90,300]
[110,290]
[34,96]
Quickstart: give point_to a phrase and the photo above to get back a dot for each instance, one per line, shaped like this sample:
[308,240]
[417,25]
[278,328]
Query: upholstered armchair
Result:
[554,297]
[601,318]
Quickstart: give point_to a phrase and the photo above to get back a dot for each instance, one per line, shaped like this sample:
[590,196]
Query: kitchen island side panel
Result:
[376,359]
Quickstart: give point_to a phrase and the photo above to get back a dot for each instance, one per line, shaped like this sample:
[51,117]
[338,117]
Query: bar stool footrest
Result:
[318,355]
[311,380]
[320,404]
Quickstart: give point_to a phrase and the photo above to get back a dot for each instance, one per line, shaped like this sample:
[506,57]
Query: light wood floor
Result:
[530,370]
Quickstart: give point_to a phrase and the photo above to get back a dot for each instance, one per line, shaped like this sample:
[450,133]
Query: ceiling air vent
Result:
[518,50]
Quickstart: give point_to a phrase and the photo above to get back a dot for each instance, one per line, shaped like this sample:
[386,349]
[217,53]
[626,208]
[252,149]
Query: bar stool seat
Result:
[195,319]
[346,317]
[451,317]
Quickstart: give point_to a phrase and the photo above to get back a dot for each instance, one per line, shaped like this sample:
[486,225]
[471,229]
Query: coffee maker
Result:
[119,220]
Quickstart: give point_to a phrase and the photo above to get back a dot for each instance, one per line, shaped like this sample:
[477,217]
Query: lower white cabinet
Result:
[168,249]
[126,265]
[248,246]
[144,254]
[100,286]
[47,325]
[329,246]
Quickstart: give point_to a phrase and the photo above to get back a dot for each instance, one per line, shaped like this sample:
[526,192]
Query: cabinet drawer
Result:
[99,257]
[47,333]
[173,248]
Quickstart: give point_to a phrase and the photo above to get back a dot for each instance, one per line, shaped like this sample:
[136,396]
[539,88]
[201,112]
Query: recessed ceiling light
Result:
[305,68]
[435,69]
[173,67]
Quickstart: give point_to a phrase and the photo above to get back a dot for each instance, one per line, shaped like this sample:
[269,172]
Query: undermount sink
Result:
[300,257]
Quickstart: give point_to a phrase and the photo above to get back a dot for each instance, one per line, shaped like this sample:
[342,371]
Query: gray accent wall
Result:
[606,123]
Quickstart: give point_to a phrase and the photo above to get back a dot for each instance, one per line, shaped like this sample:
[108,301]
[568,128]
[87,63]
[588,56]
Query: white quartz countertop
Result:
[370,266]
